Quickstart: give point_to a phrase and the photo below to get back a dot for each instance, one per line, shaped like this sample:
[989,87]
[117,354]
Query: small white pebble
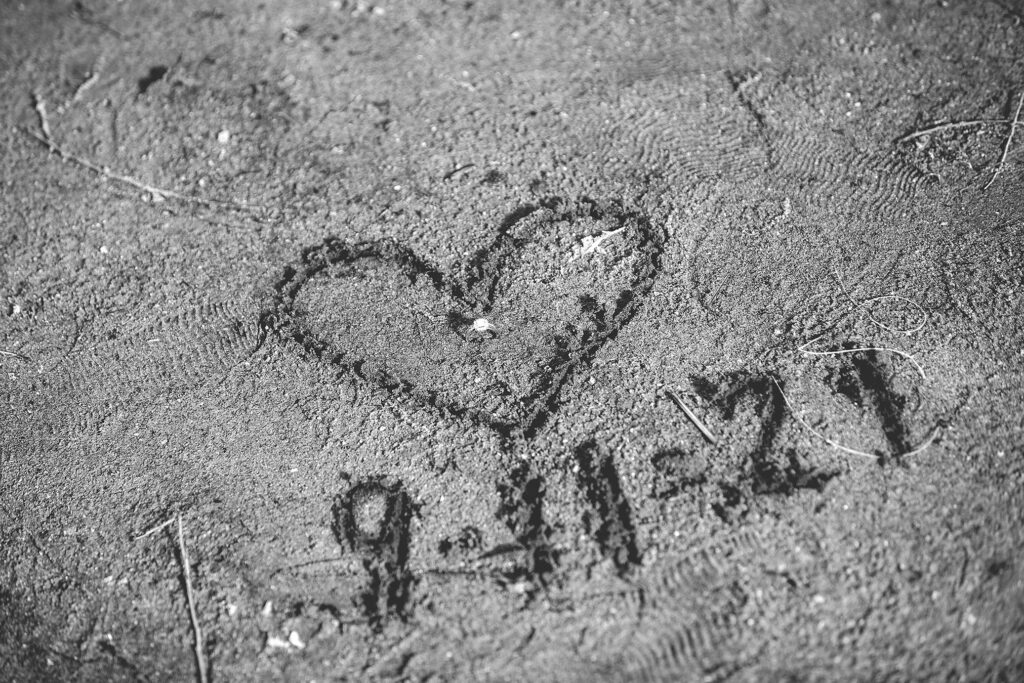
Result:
[274,641]
[268,608]
[482,325]
[224,137]
[295,640]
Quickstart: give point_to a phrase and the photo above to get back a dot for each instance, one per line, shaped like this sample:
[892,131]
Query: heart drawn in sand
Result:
[494,343]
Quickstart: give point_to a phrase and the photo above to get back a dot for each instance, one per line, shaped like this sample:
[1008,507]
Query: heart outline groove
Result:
[478,290]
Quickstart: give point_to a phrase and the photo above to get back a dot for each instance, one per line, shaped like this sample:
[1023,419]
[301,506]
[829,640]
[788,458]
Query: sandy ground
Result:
[351,341]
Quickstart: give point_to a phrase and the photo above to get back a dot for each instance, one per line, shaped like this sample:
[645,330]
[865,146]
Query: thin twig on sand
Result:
[846,449]
[158,527]
[949,126]
[197,632]
[157,193]
[1009,141]
[455,171]
[85,85]
[15,354]
[693,418]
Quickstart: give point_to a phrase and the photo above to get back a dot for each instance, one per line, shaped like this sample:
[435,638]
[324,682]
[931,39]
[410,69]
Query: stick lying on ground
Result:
[693,418]
[948,126]
[1009,141]
[197,632]
[52,145]
[155,529]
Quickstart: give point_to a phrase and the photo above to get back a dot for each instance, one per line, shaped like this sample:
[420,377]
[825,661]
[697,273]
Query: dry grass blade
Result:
[924,444]
[948,126]
[857,304]
[812,430]
[197,632]
[839,352]
[1009,141]
[15,354]
[898,330]
[846,449]
[864,303]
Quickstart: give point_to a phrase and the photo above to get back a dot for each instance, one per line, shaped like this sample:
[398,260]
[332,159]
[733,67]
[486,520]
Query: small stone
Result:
[369,511]
[224,137]
[275,642]
[482,325]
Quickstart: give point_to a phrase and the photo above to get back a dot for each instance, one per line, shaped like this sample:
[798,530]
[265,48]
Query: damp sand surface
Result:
[434,341]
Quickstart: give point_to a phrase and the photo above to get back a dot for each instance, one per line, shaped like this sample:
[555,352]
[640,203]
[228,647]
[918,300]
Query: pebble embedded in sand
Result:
[369,510]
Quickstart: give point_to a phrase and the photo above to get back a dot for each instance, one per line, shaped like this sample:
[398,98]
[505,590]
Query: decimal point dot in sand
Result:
[369,511]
